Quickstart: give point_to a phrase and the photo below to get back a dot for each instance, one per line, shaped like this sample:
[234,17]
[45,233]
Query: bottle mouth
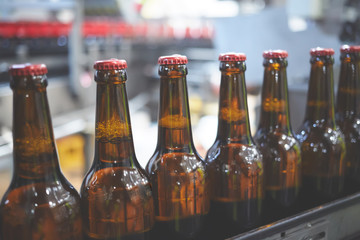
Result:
[110,64]
[27,69]
[318,52]
[172,59]
[232,57]
[271,54]
[350,49]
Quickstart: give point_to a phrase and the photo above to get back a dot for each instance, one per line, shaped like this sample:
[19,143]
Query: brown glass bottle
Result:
[176,171]
[322,144]
[116,196]
[234,162]
[348,114]
[280,149]
[40,204]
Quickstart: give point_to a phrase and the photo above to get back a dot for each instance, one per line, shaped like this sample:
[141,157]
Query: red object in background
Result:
[99,28]
[33,29]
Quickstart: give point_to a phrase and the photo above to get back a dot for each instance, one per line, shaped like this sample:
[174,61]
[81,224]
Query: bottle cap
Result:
[27,69]
[232,57]
[172,59]
[350,49]
[111,64]
[275,54]
[322,51]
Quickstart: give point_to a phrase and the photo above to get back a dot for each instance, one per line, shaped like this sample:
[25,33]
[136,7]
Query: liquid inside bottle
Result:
[280,149]
[176,171]
[322,144]
[234,162]
[117,201]
[348,114]
[40,204]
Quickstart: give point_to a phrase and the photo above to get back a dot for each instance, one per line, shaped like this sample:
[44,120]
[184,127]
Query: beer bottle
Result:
[40,204]
[280,149]
[116,196]
[234,162]
[348,113]
[176,171]
[322,144]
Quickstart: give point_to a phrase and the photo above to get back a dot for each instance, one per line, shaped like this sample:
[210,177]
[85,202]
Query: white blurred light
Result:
[157,9]
[65,16]
[297,24]
[221,9]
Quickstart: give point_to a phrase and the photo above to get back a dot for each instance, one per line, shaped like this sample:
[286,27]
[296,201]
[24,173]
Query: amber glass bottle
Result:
[234,162]
[348,113]
[322,144]
[280,149]
[176,171]
[116,196]
[40,203]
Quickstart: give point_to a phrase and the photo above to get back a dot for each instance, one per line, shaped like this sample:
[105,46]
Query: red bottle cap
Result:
[27,69]
[275,54]
[111,64]
[350,49]
[173,59]
[322,51]
[232,57]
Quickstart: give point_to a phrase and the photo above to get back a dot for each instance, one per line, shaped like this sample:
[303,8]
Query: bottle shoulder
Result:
[317,133]
[349,126]
[274,138]
[125,177]
[179,162]
[238,158]
[43,195]
[322,143]
[224,150]
[279,146]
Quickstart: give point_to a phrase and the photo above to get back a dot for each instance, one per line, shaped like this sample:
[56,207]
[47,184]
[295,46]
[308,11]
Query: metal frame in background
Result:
[337,220]
[75,54]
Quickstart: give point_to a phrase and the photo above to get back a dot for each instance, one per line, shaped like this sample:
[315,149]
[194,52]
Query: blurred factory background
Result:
[69,35]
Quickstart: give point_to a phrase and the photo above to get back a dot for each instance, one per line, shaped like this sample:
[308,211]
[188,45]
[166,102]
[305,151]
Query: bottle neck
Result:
[348,99]
[35,155]
[174,127]
[233,110]
[274,114]
[113,136]
[320,100]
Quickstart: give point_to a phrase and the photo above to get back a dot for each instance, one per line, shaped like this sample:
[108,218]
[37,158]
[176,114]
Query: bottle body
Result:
[322,149]
[179,188]
[116,196]
[177,173]
[322,144]
[236,194]
[39,203]
[282,168]
[280,149]
[117,203]
[234,163]
[42,210]
[348,114]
